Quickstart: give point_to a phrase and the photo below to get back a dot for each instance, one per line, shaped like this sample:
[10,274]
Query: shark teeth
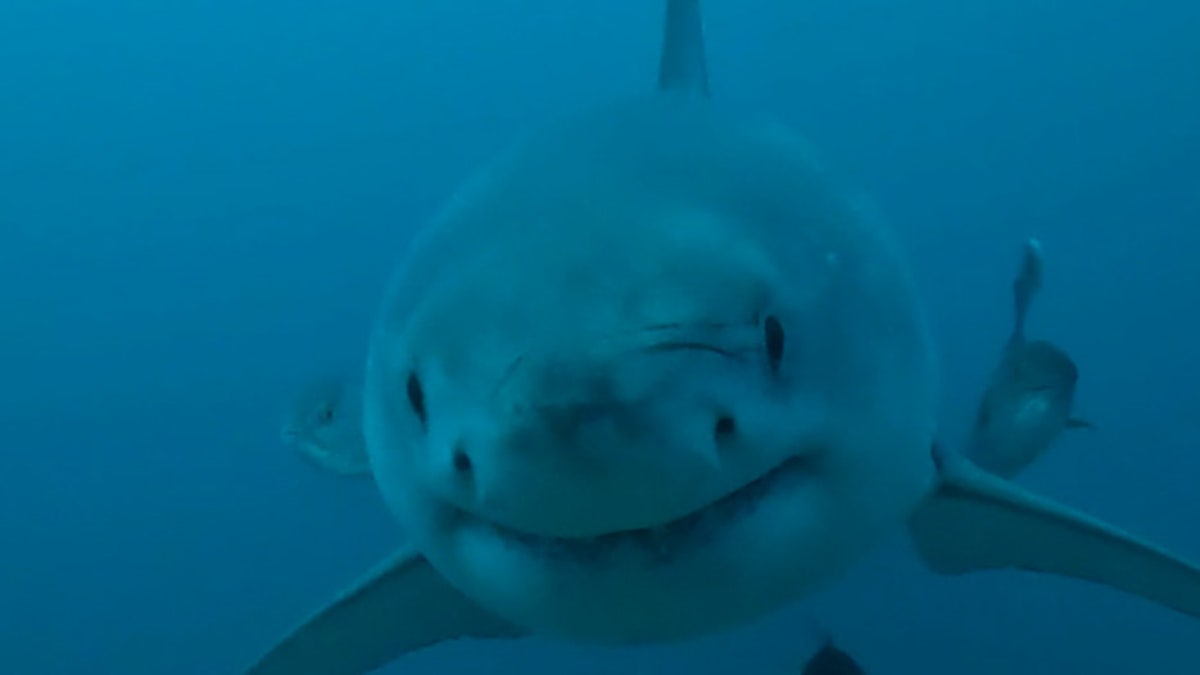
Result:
[661,543]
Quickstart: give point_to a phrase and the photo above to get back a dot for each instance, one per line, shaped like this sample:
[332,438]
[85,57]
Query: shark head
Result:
[650,375]
[1042,366]
[1026,406]
[622,375]
[324,425]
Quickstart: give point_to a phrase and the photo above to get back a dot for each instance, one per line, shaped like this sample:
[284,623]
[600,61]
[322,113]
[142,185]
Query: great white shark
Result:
[652,374]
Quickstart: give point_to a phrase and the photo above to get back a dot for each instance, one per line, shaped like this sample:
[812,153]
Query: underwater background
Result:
[201,201]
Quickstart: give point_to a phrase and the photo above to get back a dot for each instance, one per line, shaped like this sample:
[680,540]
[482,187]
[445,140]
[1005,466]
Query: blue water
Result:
[200,202]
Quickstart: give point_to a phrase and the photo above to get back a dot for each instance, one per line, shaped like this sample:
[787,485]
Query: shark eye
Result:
[416,397]
[724,428]
[462,461]
[326,414]
[773,336]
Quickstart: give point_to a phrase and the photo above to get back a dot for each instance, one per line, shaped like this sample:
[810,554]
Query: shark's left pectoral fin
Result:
[975,521]
[400,607]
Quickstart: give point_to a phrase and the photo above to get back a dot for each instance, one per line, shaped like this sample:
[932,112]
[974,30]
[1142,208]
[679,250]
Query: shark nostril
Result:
[724,427]
[462,461]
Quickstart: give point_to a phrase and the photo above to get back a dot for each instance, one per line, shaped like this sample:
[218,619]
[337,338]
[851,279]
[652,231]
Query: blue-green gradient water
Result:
[200,203]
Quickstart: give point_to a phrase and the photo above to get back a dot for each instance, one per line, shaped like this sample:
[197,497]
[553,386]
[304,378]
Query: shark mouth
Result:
[661,543]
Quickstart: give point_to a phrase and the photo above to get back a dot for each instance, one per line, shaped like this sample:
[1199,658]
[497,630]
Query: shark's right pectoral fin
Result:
[975,521]
[400,607]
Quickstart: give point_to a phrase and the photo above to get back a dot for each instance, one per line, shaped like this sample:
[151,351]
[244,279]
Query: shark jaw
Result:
[660,544]
[746,554]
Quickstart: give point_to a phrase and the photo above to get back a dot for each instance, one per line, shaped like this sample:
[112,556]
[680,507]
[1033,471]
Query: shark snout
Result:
[586,468]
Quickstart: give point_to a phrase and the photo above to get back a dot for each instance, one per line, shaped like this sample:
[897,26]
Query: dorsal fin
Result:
[1028,281]
[683,67]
